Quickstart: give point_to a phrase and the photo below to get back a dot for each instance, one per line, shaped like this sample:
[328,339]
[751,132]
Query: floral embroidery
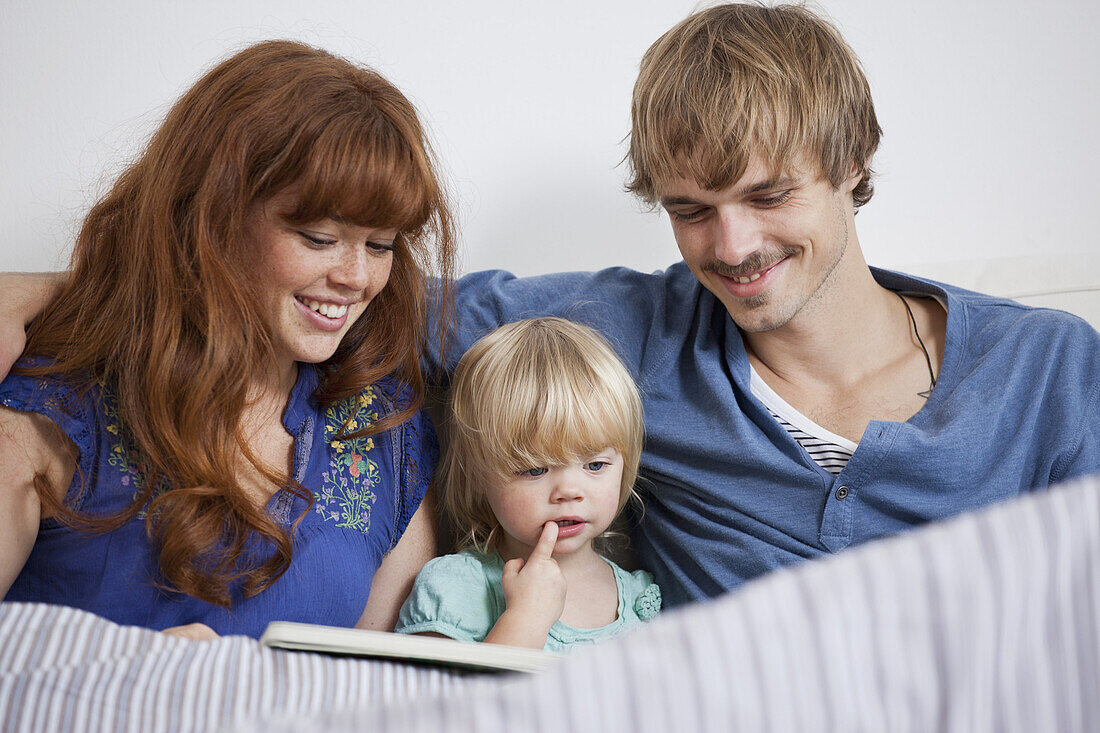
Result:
[122,455]
[648,602]
[346,495]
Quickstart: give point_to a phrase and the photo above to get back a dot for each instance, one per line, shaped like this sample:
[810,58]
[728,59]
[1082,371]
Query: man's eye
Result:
[533,472]
[774,200]
[687,216]
[595,466]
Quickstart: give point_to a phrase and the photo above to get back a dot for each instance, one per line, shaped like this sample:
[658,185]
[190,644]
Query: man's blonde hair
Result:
[737,81]
[533,393]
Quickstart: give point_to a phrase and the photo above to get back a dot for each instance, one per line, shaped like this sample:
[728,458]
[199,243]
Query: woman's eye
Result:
[316,241]
[533,472]
[595,466]
[380,247]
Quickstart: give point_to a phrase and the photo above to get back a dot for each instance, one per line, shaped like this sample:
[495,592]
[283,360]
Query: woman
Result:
[217,422]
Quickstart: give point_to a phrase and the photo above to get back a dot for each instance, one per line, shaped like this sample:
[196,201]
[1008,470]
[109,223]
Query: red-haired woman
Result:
[217,422]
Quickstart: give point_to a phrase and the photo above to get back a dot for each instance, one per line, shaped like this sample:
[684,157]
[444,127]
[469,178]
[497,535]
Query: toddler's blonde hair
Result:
[533,393]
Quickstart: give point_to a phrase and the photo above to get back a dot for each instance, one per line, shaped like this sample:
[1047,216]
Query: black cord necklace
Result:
[927,359]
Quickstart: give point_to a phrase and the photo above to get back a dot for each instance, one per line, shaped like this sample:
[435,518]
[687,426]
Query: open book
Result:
[405,647]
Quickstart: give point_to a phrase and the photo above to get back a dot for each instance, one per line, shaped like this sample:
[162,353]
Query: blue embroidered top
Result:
[365,491]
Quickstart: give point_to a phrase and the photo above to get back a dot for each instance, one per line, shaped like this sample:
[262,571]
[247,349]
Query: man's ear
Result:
[855,175]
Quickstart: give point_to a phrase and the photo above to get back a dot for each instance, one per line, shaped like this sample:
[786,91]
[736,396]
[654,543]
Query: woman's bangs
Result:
[367,176]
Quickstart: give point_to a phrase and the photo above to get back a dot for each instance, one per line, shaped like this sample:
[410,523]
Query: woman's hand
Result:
[196,632]
[13,337]
[534,590]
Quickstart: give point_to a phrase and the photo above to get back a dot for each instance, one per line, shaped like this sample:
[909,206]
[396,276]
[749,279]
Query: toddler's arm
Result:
[534,591]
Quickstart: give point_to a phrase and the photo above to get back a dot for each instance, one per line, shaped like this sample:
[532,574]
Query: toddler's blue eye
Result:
[595,466]
[533,472]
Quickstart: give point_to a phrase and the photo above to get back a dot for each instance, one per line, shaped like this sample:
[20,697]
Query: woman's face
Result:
[314,280]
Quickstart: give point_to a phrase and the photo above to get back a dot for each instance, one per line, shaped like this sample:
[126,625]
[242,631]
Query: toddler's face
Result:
[581,497]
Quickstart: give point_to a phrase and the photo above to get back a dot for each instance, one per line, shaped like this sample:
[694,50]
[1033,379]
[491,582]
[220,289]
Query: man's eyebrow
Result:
[677,200]
[780,181]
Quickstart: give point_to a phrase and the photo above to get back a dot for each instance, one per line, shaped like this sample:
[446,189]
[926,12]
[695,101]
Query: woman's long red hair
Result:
[156,307]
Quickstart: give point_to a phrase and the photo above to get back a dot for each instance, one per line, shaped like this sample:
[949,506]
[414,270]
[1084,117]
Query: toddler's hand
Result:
[535,588]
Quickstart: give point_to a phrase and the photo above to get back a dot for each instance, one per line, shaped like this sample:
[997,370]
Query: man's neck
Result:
[850,329]
[853,355]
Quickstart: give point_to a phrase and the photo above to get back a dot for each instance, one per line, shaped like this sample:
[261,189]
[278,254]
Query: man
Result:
[797,401]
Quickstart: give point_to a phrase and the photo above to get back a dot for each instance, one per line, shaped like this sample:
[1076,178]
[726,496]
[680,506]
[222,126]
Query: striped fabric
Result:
[827,449]
[830,456]
[988,622]
[67,670]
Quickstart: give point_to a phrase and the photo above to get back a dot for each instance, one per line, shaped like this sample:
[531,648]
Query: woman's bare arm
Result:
[25,296]
[394,579]
[30,445]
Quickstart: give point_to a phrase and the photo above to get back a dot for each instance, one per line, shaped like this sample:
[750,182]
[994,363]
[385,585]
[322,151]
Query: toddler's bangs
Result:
[548,407]
[558,426]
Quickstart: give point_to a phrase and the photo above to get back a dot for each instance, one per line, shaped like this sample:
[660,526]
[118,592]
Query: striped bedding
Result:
[988,622]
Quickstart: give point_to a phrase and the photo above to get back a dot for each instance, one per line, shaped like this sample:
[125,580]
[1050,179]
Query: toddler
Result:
[545,437]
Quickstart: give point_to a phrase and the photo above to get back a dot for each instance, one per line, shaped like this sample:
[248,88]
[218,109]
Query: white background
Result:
[991,113]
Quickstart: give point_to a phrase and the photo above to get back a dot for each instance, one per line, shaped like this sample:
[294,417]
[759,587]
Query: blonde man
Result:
[798,401]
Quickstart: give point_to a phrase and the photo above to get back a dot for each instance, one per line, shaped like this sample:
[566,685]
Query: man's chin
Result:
[757,315]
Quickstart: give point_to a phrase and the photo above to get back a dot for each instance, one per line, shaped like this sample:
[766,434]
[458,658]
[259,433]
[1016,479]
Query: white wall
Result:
[990,111]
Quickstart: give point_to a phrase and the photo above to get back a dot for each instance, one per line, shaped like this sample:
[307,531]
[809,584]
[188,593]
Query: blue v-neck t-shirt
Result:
[729,494]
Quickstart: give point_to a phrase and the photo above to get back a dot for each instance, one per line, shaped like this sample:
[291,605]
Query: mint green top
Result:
[461,596]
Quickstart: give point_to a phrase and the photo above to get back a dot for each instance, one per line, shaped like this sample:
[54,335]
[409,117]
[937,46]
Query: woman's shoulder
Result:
[30,380]
[373,402]
[55,424]
[393,393]
[72,401]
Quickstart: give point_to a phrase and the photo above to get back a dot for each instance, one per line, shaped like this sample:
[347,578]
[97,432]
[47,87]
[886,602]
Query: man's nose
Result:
[737,235]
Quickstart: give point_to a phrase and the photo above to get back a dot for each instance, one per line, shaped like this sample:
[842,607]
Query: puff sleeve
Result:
[452,596]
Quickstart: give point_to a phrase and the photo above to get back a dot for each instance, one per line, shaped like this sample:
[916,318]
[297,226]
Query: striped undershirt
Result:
[827,449]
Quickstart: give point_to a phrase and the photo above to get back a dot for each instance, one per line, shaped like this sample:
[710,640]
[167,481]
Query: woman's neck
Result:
[272,385]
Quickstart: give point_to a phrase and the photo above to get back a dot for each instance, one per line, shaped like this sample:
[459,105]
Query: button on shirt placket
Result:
[836,524]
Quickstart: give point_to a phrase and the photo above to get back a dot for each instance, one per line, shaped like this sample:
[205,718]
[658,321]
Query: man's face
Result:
[768,245]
